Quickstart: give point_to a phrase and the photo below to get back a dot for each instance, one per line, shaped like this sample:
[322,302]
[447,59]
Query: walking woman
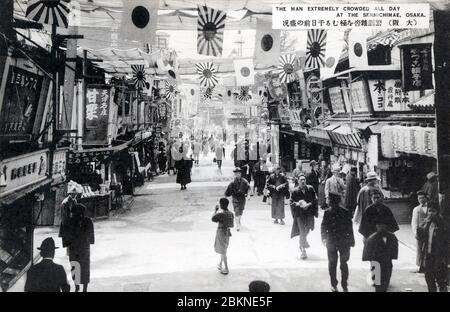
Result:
[225,220]
[220,154]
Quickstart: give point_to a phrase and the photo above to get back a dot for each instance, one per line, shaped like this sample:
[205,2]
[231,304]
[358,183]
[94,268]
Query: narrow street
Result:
[165,243]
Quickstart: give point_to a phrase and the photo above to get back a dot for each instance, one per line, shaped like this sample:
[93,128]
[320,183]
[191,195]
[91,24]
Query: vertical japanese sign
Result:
[336,99]
[387,95]
[359,99]
[98,98]
[20,102]
[417,68]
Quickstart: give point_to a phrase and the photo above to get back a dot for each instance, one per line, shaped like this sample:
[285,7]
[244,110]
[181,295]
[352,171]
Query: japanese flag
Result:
[139,20]
[357,49]
[332,54]
[245,72]
[267,44]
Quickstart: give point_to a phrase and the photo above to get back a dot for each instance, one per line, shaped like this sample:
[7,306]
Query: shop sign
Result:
[314,89]
[296,119]
[359,99]
[387,95]
[98,98]
[22,171]
[417,70]
[277,89]
[20,102]
[88,156]
[337,100]
[59,164]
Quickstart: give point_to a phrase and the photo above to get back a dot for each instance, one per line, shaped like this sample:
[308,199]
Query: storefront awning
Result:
[319,135]
[11,198]
[345,136]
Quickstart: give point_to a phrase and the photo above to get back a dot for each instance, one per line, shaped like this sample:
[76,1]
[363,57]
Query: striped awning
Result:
[344,136]
[388,39]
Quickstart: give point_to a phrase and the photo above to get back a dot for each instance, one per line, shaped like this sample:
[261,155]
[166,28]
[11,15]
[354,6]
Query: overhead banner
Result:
[417,69]
[139,20]
[98,101]
[20,102]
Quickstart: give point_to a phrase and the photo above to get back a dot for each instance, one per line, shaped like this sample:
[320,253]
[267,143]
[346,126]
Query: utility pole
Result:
[442,100]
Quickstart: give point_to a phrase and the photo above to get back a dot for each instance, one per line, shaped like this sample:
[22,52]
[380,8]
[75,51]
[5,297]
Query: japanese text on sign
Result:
[369,16]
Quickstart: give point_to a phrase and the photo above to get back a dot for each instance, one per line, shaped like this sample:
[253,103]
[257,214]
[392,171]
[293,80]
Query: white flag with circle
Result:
[139,20]
[357,49]
[267,44]
[245,72]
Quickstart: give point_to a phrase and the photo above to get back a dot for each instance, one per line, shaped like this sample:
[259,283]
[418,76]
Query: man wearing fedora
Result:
[47,276]
[238,190]
[364,199]
[335,184]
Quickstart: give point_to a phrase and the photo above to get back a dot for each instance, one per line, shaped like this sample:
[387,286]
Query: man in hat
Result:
[313,177]
[364,198]
[434,240]
[278,186]
[374,212]
[47,276]
[419,215]
[303,208]
[380,249]
[334,184]
[66,206]
[352,189]
[430,188]
[238,190]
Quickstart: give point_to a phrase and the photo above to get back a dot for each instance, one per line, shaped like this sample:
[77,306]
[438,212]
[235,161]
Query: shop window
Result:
[15,240]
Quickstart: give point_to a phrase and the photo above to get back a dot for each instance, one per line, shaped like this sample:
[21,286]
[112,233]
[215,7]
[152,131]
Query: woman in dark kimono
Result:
[78,237]
[225,220]
[184,167]
[278,186]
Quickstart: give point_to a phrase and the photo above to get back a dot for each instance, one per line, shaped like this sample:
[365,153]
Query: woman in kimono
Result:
[278,186]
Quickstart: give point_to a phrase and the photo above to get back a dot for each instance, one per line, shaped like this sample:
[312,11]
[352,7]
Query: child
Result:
[225,220]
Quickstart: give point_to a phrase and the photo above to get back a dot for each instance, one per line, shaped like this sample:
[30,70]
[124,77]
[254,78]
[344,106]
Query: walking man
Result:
[313,177]
[373,213]
[238,190]
[434,238]
[337,236]
[47,276]
[364,198]
[334,184]
[351,190]
[278,186]
[419,216]
[380,249]
[304,209]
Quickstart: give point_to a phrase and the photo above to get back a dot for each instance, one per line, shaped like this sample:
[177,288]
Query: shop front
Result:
[24,183]
[408,154]
[97,171]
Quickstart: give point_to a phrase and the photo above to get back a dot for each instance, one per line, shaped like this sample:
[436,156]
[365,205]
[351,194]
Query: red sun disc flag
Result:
[207,74]
[170,90]
[139,79]
[315,48]
[286,68]
[52,12]
[210,27]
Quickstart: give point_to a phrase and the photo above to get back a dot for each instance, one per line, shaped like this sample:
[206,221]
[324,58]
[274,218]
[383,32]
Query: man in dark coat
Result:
[78,240]
[304,209]
[313,177]
[380,249]
[47,276]
[430,188]
[374,212]
[352,188]
[238,190]
[434,239]
[337,236]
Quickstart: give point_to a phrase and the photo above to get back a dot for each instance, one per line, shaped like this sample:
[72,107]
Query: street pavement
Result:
[165,242]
